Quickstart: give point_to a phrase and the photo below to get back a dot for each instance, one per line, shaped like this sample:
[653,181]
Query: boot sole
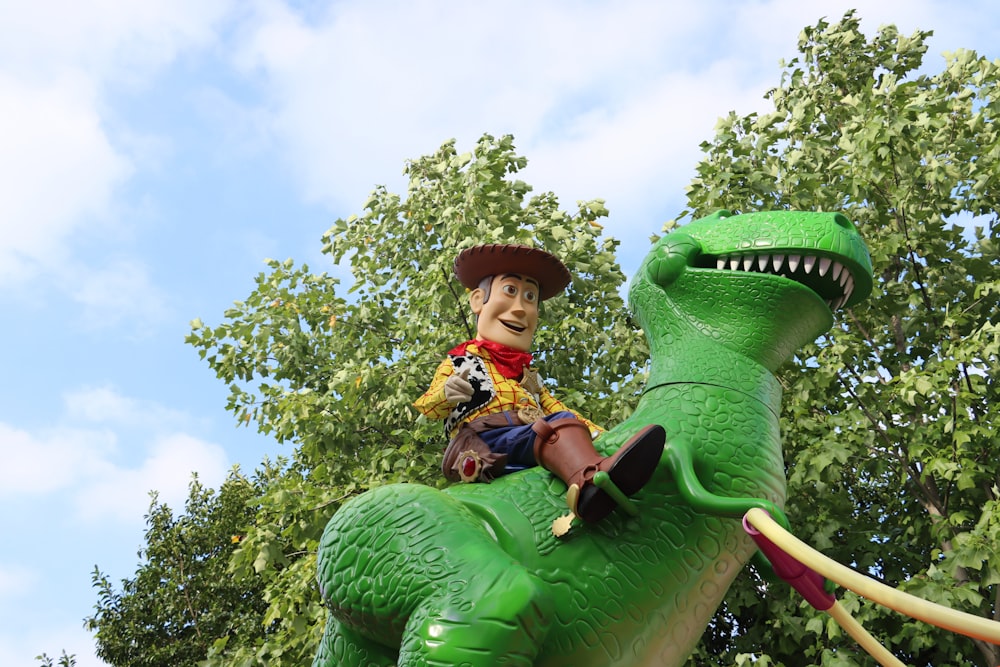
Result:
[633,469]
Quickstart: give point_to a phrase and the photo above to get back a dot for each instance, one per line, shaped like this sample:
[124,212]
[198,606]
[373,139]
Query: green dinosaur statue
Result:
[473,575]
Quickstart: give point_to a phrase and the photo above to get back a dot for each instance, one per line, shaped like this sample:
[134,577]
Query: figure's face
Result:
[510,314]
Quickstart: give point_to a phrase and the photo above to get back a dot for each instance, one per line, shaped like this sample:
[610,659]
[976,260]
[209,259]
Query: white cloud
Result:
[644,151]
[82,455]
[105,405]
[123,493]
[106,38]
[40,463]
[58,167]
[61,175]
[118,292]
[60,163]
[365,87]
[15,580]
[607,100]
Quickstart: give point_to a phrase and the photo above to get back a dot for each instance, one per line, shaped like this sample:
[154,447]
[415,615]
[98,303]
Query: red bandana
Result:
[510,362]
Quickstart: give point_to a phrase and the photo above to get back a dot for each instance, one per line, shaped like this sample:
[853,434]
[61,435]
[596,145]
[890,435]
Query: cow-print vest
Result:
[482,388]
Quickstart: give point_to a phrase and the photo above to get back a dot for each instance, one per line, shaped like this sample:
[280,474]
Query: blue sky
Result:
[154,153]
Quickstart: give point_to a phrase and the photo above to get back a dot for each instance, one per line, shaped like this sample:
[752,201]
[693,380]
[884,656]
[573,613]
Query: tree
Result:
[183,601]
[892,460]
[64,660]
[335,371]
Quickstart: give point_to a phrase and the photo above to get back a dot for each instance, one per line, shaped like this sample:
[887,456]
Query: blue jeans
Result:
[517,442]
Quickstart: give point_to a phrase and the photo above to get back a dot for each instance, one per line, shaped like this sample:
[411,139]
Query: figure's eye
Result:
[530,296]
[510,290]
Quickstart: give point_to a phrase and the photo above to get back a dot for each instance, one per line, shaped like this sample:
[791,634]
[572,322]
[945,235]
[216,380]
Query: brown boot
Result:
[565,448]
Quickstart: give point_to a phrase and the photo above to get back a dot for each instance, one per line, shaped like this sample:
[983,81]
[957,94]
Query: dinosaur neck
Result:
[693,340]
[683,349]
[700,360]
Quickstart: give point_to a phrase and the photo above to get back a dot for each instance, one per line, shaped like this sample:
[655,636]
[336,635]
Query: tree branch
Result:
[458,302]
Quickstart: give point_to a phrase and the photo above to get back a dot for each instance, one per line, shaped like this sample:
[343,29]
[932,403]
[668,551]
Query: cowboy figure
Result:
[499,416]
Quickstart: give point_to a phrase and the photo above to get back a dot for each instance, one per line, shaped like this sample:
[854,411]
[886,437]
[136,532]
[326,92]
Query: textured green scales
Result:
[473,575]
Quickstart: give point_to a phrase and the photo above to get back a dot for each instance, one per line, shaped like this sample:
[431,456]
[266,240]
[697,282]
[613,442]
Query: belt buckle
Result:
[529,414]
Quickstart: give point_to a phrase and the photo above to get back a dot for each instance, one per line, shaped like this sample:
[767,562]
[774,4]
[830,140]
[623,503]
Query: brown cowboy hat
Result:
[492,259]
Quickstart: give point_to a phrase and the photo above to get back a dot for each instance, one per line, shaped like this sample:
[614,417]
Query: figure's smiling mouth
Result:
[516,328]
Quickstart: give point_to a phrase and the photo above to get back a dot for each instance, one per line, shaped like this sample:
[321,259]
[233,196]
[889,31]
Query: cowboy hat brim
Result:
[493,259]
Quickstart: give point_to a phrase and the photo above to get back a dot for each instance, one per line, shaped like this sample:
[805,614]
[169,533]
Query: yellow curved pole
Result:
[929,612]
[862,637]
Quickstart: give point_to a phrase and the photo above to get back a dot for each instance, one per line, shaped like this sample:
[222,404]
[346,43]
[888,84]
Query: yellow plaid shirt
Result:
[508,394]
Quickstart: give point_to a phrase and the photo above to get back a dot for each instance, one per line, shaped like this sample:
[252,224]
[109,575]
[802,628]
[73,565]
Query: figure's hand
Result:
[457,388]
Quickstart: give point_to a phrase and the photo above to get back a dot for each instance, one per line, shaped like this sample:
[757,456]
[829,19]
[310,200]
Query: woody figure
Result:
[498,414]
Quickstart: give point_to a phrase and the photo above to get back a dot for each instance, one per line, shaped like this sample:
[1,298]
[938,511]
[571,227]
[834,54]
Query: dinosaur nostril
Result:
[842,220]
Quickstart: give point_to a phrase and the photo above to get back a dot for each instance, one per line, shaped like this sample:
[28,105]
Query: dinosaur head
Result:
[760,284]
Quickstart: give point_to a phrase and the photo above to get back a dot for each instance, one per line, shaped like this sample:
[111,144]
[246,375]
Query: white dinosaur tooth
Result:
[762,262]
[808,262]
[734,263]
[849,287]
[778,261]
[720,262]
[824,265]
[793,262]
[747,262]
[838,268]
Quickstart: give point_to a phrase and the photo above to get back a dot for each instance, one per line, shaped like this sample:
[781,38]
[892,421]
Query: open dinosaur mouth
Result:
[830,279]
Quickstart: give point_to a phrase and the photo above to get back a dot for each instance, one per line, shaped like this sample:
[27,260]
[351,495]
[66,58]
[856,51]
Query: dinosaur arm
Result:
[681,463]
